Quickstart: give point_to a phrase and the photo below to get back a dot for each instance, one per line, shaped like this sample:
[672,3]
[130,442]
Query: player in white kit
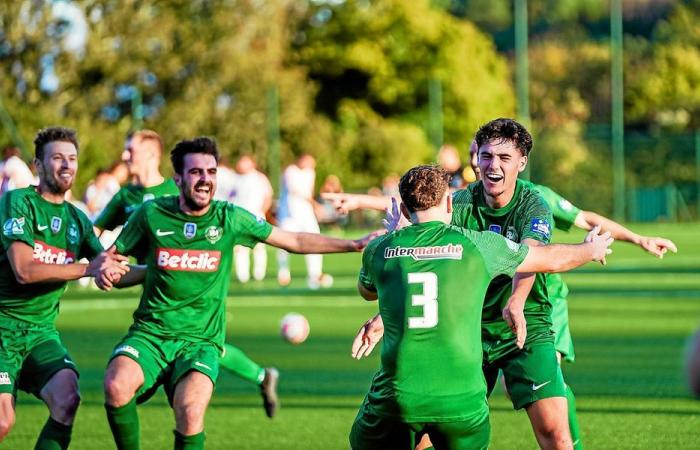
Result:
[296,213]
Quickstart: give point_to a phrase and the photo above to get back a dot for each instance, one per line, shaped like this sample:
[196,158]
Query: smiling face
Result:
[197,182]
[58,166]
[500,161]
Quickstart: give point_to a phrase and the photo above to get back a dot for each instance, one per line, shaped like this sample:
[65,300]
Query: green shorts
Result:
[165,361]
[372,432]
[560,326]
[531,374]
[29,357]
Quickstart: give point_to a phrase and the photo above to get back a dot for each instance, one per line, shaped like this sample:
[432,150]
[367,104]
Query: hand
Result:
[107,268]
[343,203]
[515,318]
[393,216]
[657,246]
[369,335]
[361,243]
[601,244]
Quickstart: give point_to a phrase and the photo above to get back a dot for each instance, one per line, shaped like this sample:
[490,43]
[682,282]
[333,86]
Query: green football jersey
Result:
[431,279]
[526,216]
[564,214]
[58,233]
[189,265]
[130,197]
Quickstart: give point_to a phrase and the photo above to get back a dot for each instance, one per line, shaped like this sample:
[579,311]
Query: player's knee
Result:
[66,406]
[190,417]
[118,392]
[554,431]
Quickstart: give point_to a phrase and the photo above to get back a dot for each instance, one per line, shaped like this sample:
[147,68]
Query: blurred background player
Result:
[42,238]
[460,176]
[104,187]
[295,213]
[14,172]
[142,156]
[248,188]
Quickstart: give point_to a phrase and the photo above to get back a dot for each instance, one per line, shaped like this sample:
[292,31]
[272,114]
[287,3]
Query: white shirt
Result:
[297,193]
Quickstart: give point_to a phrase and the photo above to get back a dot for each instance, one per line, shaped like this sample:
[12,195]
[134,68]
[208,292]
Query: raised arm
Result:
[657,246]
[345,203]
[316,243]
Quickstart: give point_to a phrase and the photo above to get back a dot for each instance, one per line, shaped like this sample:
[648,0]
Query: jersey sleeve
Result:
[17,220]
[535,219]
[366,278]
[133,239]
[461,206]
[111,216]
[563,212]
[248,229]
[501,255]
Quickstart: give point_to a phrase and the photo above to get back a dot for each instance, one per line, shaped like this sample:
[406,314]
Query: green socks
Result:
[124,422]
[238,363]
[573,420]
[54,436]
[194,442]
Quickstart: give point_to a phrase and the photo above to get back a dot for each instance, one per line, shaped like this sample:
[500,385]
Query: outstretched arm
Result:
[345,203]
[564,257]
[657,246]
[316,243]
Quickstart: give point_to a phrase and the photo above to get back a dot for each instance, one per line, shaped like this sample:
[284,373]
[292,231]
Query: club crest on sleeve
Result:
[540,226]
[190,230]
[511,234]
[213,234]
[13,226]
[5,378]
[495,228]
[56,224]
[565,204]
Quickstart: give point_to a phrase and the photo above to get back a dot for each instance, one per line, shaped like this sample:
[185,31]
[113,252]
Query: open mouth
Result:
[494,177]
[204,190]
[65,175]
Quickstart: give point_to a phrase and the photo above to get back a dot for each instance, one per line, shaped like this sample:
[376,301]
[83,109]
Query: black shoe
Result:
[268,390]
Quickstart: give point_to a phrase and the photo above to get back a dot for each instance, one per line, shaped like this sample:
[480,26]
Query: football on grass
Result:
[294,328]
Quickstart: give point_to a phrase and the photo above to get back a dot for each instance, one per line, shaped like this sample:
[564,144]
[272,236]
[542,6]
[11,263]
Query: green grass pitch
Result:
[629,320]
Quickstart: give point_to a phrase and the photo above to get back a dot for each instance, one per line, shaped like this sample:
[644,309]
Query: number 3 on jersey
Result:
[428,300]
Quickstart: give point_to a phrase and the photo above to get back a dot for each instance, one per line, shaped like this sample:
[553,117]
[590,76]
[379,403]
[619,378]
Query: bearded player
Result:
[142,155]
[179,327]
[42,238]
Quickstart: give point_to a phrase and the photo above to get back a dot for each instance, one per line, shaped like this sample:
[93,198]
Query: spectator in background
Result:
[14,172]
[248,188]
[296,213]
[448,159]
[390,186]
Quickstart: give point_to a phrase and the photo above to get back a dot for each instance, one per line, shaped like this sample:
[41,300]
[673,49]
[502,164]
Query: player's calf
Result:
[123,378]
[7,414]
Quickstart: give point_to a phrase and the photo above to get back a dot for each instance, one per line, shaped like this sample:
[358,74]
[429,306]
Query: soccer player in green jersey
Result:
[42,238]
[142,155]
[432,323]
[179,327]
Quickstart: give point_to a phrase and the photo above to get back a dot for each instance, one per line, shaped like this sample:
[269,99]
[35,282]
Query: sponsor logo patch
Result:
[127,349]
[495,228]
[5,378]
[188,260]
[48,254]
[13,226]
[449,251]
[213,234]
[540,226]
[189,230]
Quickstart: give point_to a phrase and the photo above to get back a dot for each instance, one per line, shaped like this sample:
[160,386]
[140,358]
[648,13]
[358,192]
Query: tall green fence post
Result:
[435,123]
[273,137]
[618,131]
[522,78]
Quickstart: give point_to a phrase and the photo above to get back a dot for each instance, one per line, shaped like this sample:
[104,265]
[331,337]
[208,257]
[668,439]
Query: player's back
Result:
[431,279]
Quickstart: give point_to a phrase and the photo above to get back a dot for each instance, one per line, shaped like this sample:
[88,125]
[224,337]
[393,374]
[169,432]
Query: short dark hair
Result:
[197,145]
[423,187]
[53,134]
[505,130]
